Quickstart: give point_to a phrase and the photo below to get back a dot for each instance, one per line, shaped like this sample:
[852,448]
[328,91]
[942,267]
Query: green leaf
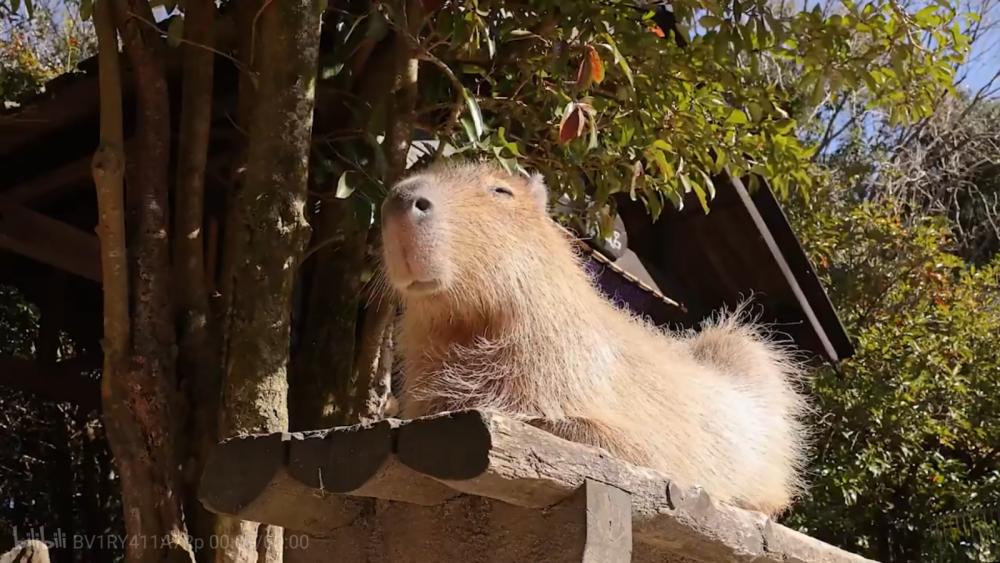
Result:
[512,147]
[593,135]
[784,126]
[663,165]
[86,9]
[700,192]
[709,184]
[898,57]
[475,113]
[926,16]
[737,117]
[710,22]
[818,92]
[175,30]
[344,190]
[619,59]
[675,198]
[469,128]
[686,182]
[869,80]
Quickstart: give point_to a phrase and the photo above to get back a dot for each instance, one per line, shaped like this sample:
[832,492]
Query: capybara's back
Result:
[499,314]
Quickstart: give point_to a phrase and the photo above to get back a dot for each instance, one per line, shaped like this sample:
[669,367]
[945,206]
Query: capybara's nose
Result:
[423,204]
[408,202]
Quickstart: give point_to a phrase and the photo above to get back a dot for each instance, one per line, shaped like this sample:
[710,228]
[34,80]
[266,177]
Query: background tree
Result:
[900,226]
[907,430]
[55,467]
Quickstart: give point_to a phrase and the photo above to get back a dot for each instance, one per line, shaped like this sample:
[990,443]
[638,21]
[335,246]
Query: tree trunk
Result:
[324,387]
[138,377]
[323,379]
[198,357]
[269,232]
[368,371]
[90,493]
[246,53]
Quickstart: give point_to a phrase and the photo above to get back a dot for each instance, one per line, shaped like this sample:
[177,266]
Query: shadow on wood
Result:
[476,487]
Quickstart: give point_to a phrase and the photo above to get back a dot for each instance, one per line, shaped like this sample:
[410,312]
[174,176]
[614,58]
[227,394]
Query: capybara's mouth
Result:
[423,287]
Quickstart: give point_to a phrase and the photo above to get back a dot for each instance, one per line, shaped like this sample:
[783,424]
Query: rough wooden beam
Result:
[609,523]
[50,241]
[62,382]
[47,183]
[358,460]
[525,491]
[697,524]
[492,456]
[248,478]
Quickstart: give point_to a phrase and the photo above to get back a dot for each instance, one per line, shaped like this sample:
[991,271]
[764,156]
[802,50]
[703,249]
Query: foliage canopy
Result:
[908,430]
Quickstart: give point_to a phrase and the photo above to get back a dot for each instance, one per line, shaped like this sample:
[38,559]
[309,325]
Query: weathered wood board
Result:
[476,487]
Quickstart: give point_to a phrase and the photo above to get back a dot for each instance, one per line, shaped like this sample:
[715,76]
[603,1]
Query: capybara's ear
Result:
[539,191]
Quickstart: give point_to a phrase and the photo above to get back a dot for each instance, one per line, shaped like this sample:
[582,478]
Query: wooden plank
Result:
[698,525]
[488,455]
[358,460]
[247,478]
[50,241]
[609,524]
[47,183]
[529,496]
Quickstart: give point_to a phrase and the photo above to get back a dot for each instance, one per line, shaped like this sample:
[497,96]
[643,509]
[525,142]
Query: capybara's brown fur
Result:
[499,314]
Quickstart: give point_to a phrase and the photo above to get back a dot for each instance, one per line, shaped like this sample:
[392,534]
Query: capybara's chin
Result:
[414,266]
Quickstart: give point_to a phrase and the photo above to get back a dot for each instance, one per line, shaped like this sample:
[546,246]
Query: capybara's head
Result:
[469,232]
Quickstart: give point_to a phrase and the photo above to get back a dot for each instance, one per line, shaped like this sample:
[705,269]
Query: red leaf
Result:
[596,64]
[572,123]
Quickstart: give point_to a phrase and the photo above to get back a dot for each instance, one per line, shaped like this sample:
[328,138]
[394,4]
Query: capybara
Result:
[499,314]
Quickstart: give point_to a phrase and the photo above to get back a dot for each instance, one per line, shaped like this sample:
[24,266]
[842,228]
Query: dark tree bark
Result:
[269,234]
[370,365]
[247,53]
[199,339]
[92,509]
[325,385]
[138,378]
[323,379]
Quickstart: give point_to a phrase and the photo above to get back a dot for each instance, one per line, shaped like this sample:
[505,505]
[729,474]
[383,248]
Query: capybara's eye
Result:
[501,190]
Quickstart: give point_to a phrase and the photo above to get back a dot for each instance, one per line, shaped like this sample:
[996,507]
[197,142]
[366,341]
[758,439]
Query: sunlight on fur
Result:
[499,314]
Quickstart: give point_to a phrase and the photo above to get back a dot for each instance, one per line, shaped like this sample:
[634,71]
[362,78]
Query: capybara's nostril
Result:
[423,204]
